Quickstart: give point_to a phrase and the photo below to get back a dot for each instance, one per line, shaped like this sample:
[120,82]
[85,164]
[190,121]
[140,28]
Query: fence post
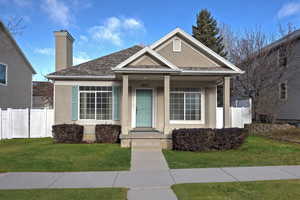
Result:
[1,124]
[29,121]
[45,122]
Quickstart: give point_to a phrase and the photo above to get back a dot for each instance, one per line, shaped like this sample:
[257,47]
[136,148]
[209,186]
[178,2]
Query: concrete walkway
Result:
[149,177]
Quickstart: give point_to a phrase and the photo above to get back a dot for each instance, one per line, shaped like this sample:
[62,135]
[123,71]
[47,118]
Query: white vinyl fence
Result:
[239,117]
[15,123]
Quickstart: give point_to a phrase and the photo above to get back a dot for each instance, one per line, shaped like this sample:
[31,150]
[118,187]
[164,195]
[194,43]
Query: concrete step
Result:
[146,143]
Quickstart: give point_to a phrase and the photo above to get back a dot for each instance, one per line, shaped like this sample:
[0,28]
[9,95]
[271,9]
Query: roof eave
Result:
[61,77]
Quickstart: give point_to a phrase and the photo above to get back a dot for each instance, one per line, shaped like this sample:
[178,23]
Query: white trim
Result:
[6,72]
[198,44]
[88,83]
[80,77]
[95,121]
[193,72]
[202,121]
[133,108]
[142,52]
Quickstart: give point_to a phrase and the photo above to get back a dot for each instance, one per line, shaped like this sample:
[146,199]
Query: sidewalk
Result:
[142,180]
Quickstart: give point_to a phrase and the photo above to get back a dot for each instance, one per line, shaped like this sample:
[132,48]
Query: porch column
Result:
[226,103]
[167,102]
[125,114]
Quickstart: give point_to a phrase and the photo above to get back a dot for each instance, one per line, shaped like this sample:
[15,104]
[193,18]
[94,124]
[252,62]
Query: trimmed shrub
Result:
[108,133]
[208,139]
[67,133]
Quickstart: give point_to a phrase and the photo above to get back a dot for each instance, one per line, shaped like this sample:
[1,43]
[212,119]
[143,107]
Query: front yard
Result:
[74,194]
[256,151]
[267,190]
[33,155]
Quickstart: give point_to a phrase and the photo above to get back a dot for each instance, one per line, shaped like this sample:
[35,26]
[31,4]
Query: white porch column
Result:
[226,103]
[124,112]
[167,102]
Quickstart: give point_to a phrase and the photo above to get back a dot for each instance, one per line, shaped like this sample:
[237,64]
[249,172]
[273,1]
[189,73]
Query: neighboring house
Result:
[15,73]
[285,53]
[42,94]
[154,89]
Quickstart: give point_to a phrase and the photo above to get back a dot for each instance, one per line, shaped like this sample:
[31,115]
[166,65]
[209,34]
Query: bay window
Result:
[185,104]
[95,102]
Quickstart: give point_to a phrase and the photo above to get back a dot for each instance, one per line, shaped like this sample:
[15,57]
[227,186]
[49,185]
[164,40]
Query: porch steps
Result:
[145,139]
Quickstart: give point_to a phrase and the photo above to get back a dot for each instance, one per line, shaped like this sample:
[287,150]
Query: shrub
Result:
[67,133]
[108,133]
[208,139]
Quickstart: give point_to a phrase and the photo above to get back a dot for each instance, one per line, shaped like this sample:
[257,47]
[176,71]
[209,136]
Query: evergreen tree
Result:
[207,32]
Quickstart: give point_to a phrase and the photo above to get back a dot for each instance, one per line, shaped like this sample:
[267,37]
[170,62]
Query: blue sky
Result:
[101,27]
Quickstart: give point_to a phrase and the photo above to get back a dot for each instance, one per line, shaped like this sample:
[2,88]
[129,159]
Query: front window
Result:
[3,74]
[185,104]
[95,102]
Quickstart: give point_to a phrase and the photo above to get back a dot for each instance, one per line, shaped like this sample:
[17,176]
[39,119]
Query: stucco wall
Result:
[188,57]
[17,93]
[63,98]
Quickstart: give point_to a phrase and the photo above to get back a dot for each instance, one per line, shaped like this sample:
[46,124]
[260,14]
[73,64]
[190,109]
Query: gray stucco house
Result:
[15,73]
[153,89]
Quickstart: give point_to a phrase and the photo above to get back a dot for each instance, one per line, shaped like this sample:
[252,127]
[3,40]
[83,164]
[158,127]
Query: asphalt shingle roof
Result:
[100,66]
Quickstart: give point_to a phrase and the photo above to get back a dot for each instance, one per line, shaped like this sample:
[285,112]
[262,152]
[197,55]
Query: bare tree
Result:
[265,65]
[15,25]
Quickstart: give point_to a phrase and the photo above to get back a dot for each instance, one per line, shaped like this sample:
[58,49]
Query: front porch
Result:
[151,106]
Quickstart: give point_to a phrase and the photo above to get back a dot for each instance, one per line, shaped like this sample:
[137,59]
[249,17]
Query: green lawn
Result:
[256,151]
[42,155]
[66,194]
[267,190]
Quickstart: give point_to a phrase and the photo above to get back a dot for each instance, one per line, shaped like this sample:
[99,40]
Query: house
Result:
[42,94]
[15,73]
[281,60]
[154,89]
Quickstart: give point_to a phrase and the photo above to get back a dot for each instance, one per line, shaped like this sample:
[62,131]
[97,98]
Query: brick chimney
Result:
[63,49]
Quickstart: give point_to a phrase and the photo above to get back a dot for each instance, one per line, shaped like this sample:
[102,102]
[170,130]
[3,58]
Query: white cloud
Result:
[114,29]
[44,51]
[132,23]
[81,58]
[57,11]
[289,9]
[83,38]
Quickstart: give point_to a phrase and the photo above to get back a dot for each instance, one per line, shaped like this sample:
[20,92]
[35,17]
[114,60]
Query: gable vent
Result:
[177,45]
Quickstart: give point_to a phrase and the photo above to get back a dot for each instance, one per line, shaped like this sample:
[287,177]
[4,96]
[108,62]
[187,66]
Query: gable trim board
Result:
[5,30]
[141,53]
[198,44]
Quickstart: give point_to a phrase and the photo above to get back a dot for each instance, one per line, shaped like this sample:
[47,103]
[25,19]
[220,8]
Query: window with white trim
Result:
[3,74]
[95,102]
[283,91]
[176,45]
[185,104]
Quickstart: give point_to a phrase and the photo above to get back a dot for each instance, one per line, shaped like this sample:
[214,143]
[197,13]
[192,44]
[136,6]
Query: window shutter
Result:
[116,103]
[75,102]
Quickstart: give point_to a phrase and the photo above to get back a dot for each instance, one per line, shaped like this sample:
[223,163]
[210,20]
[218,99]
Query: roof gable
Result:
[198,44]
[146,52]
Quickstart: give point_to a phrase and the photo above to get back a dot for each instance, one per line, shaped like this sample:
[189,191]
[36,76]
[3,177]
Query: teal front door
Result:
[144,108]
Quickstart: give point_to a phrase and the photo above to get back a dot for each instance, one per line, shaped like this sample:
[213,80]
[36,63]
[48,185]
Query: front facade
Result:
[15,73]
[167,85]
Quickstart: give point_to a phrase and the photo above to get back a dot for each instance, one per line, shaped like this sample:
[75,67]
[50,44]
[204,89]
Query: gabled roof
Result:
[98,67]
[194,41]
[2,27]
[144,51]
